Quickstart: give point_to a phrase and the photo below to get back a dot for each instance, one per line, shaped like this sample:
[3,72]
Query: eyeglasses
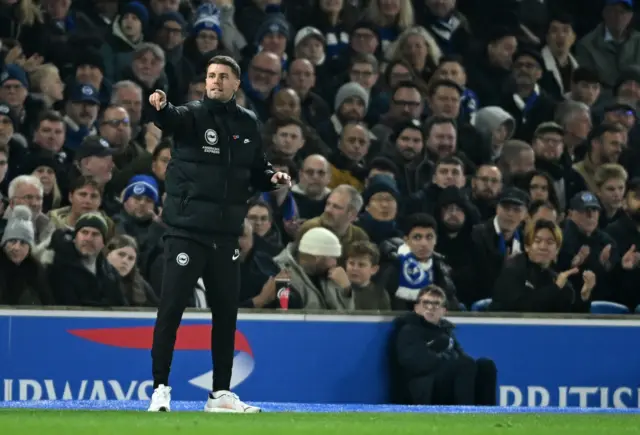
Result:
[428,303]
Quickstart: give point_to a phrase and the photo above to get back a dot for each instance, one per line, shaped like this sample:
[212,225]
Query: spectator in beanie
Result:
[77,269]
[314,272]
[528,282]
[273,35]
[127,33]
[351,105]
[154,165]
[14,91]
[22,278]
[139,201]
[205,38]
[416,265]
[380,166]
[15,149]
[309,43]
[90,70]
[381,204]
[122,253]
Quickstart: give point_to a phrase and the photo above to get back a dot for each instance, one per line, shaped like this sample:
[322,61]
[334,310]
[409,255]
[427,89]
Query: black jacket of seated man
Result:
[428,364]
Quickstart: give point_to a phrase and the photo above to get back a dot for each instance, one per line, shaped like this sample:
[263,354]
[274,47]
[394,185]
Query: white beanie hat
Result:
[320,242]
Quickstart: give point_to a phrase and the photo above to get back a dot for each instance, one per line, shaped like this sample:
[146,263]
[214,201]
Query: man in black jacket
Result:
[429,367]
[217,164]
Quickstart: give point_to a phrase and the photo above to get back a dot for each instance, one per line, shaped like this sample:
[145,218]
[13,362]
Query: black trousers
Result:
[185,261]
[460,382]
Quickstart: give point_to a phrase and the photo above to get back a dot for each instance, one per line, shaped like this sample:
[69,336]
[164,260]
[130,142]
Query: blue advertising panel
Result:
[315,359]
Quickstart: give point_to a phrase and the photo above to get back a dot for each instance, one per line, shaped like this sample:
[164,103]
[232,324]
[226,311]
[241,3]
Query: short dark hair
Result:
[537,205]
[450,160]
[51,116]
[432,121]
[163,145]
[363,248]
[451,58]
[405,84]
[444,84]
[279,123]
[432,289]
[277,160]
[228,61]
[603,128]
[419,220]
[81,181]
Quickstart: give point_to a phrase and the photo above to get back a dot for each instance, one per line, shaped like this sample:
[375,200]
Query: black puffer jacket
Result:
[217,164]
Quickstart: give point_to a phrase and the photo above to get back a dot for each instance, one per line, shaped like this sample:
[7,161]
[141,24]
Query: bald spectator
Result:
[311,191]
[517,158]
[263,79]
[301,77]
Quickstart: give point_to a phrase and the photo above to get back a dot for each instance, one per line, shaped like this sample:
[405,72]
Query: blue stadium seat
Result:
[606,307]
[481,305]
[462,307]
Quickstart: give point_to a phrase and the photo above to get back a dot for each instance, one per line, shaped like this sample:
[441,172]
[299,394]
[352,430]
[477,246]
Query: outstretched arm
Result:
[169,118]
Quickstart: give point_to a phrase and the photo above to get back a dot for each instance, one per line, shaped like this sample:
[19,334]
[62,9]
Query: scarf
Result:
[516,245]
[377,230]
[527,104]
[414,275]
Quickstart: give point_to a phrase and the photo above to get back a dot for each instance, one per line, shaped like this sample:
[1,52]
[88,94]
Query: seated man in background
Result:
[429,367]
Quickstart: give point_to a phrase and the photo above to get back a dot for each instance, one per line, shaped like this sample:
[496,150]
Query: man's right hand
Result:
[158,99]
[563,277]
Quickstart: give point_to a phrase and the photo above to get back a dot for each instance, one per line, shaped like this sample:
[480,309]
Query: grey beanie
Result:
[19,226]
[351,89]
[489,118]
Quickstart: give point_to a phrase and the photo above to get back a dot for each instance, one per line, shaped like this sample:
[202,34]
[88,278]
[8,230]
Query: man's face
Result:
[83,113]
[286,104]
[629,90]
[363,74]
[207,41]
[406,104]
[510,216]
[409,144]
[89,74]
[6,129]
[449,175]
[523,163]
[442,140]
[16,251]
[445,102]
[526,71]
[452,71]
[139,207]
[260,220]
[337,212]
[47,177]
[501,51]
[560,36]
[29,195]
[453,217]
[611,145]
[89,241]
[586,220]
[585,92]
[632,205]
[130,99]
[100,168]
[265,72]
[301,77]
[548,146]
[288,140]
[312,49]
[626,118]
[274,42]
[355,142]
[116,127]
[364,41]
[617,17]
[147,67]
[383,207]
[221,82]
[85,199]
[170,35]
[314,176]
[487,184]
[431,307]
[422,242]
[131,27]
[352,109]
[579,126]
[14,93]
[611,193]
[545,213]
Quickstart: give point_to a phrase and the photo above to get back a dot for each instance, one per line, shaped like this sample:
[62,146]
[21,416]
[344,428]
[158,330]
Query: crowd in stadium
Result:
[489,149]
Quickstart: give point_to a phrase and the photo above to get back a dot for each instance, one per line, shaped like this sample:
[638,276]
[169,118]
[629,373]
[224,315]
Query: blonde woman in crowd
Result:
[417,46]
[393,17]
[45,80]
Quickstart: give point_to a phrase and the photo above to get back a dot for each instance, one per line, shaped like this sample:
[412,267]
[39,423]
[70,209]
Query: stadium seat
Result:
[606,307]
[481,305]
[462,307]
[638,309]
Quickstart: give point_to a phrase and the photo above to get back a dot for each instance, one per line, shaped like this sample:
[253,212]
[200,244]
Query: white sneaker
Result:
[226,401]
[161,399]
